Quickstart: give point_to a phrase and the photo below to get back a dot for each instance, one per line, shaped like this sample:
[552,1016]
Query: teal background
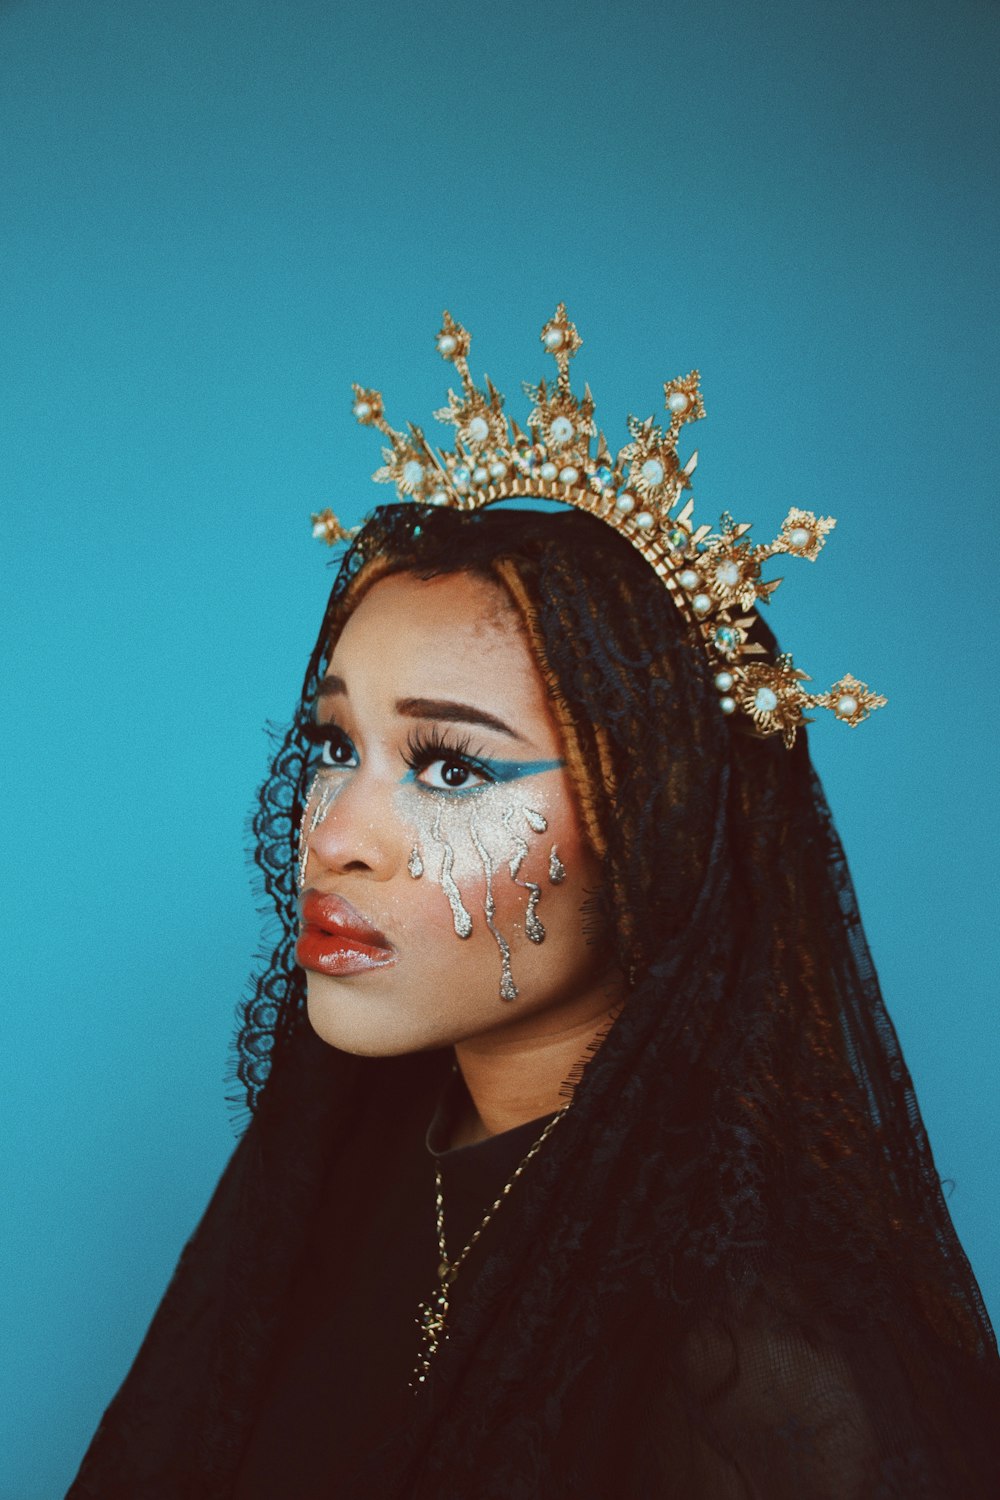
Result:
[215,216]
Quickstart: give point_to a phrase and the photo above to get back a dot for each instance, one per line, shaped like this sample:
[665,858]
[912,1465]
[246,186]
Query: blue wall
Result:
[215,217]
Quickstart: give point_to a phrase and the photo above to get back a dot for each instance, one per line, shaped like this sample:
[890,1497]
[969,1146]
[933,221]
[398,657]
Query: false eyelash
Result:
[322,734]
[423,747]
[329,733]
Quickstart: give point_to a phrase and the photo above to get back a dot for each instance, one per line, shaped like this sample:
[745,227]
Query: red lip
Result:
[336,939]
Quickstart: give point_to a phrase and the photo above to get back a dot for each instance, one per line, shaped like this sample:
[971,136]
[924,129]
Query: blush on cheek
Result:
[464,842]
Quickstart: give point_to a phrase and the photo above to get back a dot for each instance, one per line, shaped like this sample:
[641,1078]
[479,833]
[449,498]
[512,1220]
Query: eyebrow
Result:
[442,709]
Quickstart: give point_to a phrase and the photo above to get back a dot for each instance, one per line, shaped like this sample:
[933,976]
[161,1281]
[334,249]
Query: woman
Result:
[583,1064]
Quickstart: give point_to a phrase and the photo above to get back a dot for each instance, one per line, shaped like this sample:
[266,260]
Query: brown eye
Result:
[444,774]
[337,750]
[453,774]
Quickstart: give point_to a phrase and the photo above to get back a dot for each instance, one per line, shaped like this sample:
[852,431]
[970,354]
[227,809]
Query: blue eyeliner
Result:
[500,770]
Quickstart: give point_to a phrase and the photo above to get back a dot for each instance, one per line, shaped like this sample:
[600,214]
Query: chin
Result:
[343,1016]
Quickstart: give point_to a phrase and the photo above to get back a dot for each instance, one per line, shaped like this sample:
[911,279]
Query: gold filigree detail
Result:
[477,418]
[850,699]
[410,465]
[368,407]
[682,399]
[654,472]
[560,339]
[453,341]
[562,424]
[326,528]
[803,534]
[771,693]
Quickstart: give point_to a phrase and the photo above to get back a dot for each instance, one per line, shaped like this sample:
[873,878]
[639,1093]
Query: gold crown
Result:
[712,577]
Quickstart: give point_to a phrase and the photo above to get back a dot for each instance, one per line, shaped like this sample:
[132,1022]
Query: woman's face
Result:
[443,869]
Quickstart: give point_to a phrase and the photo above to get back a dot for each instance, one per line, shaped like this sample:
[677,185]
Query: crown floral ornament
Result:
[714,577]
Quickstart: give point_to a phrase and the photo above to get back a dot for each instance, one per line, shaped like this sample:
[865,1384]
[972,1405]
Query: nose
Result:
[347,827]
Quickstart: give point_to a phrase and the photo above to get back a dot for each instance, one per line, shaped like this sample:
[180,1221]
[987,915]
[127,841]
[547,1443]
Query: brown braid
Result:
[592,806]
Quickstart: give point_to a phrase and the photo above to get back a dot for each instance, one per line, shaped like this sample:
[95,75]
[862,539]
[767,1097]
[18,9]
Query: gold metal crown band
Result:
[712,577]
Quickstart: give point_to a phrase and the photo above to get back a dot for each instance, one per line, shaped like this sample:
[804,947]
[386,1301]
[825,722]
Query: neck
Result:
[519,1074]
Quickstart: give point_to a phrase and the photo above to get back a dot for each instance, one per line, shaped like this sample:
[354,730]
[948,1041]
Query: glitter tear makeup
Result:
[311,821]
[508,989]
[461,918]
[478,831]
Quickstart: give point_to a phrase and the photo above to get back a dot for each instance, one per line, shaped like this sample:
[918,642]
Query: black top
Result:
[340,1378]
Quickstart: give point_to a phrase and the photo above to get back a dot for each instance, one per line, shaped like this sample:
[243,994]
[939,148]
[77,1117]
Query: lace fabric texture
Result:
[732,1273]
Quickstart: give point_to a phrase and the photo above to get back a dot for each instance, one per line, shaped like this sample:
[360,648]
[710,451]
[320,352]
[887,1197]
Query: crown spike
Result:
[683,402]
[560,339]
[369,411]
[453,341]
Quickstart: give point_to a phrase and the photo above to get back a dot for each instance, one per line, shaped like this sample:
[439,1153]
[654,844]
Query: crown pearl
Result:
[554,338]
[644,519]
[480,474]
[800,537]
[569,475]
[728,705]
[447,344]
[362,409]
[625,503]
[765,699]
[653,471]
[678,401]
[847,705]
[561,431]
[728,574]
[701,604]
[723,681]
[689,579]
[548,471]
[497,470]
[413,473]
[439,497]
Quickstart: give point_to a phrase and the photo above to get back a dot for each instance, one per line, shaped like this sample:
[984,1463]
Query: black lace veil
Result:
[732,1273]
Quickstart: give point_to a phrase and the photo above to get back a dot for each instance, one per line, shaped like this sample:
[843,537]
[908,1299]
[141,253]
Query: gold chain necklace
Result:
[433,1316]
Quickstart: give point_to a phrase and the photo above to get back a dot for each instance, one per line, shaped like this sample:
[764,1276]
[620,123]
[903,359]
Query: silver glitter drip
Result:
[324,803]
[520,844]
[557,870]
[415,864]
[536,820]
[508,989]
[532,922]
[462,920]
